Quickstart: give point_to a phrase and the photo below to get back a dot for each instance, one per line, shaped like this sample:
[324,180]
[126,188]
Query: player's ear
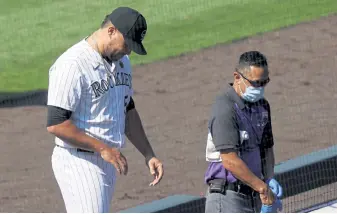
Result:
[112,30]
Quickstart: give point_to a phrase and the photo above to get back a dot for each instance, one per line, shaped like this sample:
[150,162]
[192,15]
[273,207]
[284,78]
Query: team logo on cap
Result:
[142,35]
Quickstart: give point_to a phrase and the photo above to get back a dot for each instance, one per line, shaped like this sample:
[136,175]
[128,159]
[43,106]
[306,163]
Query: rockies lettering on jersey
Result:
[102,86]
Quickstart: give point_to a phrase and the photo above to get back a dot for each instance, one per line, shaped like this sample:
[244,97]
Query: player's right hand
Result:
[116,158]
[268,197]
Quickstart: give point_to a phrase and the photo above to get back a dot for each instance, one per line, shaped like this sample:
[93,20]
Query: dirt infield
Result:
[174,98]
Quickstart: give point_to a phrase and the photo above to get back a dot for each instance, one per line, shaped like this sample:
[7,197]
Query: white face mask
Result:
[252,94]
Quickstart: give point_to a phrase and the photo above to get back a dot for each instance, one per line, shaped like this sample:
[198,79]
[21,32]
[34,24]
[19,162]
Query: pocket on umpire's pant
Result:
[213,203]
[230,202]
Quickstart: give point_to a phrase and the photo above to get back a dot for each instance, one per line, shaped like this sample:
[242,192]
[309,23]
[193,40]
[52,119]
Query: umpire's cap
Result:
[132,25]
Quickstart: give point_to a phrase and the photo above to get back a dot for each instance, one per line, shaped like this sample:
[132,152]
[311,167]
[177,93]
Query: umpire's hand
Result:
[267,197]
[116,158]
[156,169]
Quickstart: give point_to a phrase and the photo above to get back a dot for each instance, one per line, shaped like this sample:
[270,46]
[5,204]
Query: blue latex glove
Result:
[274,208]
[275,187]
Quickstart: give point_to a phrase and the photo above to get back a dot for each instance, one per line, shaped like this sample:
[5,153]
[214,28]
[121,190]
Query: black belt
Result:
[80,150]
[220,186]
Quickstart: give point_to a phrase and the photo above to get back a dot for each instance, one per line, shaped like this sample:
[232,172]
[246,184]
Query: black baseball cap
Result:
[132,25]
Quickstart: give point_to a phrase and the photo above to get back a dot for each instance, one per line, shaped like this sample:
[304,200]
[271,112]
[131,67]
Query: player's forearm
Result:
[239,169]
[72,135]
[135,132]
[269,163]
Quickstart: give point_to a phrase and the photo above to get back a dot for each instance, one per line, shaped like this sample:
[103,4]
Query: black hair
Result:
[251,58]
[105,21]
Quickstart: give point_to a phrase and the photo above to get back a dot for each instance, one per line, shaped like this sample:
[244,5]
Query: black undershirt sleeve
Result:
[57,115]
[131,105]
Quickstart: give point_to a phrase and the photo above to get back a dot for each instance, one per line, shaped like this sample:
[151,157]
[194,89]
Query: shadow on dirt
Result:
[19,99]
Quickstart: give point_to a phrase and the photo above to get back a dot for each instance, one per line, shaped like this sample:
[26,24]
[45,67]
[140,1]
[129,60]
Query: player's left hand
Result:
[156,169]
[275,187]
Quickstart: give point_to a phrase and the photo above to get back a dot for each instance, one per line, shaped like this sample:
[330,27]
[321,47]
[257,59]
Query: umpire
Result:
[240,144]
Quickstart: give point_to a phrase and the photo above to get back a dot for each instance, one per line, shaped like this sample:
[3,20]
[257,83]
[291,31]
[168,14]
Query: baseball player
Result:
[90,110]
[240,144]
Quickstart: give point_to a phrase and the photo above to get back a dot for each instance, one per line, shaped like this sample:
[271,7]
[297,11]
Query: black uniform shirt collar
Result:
[234,96]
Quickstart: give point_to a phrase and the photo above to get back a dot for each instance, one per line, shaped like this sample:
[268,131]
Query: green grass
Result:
[35,32]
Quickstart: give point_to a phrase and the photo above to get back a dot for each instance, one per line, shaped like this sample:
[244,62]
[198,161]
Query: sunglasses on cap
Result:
[256,83]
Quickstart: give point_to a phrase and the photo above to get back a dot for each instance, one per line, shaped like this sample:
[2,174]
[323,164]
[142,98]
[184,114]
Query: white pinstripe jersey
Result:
[79,82]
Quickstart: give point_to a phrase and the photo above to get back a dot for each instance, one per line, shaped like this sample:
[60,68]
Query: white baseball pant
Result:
[86,181]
